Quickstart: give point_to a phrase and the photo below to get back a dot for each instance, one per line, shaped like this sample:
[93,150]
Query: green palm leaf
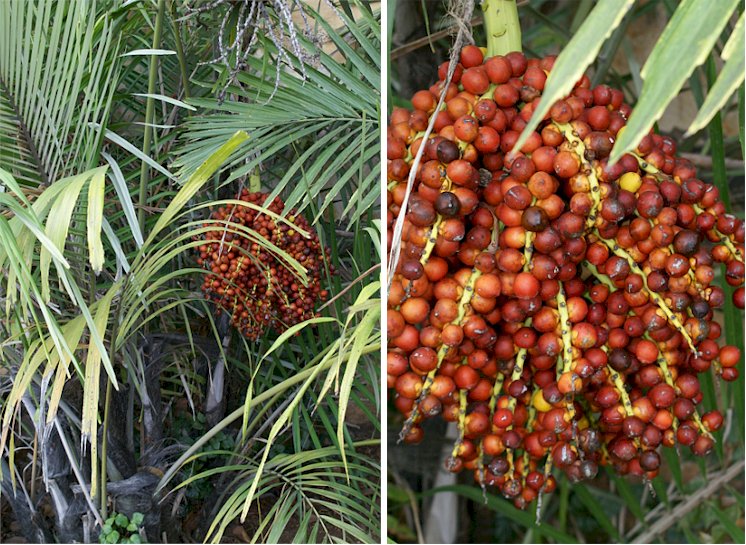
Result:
[727,82]
[335,122]
[56,66]
[685,44]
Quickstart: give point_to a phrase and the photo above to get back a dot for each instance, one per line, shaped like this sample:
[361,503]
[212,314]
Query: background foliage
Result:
[124,395]
[692,500]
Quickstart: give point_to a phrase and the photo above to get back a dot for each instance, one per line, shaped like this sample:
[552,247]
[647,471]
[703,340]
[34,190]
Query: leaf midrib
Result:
[30,145]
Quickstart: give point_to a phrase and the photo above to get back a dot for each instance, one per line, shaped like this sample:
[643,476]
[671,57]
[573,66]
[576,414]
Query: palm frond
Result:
[56,66]
[55,342]
[311,490]
[335,122]
[341,357]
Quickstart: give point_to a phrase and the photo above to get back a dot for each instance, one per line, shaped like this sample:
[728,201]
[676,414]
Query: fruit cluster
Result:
[557,307]
[245,251]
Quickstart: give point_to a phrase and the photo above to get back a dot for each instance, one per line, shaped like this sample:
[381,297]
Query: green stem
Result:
[149,114]
[180,51]
[502,26]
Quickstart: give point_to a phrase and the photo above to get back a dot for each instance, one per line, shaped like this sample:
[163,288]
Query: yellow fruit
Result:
[539,403]
[630,181]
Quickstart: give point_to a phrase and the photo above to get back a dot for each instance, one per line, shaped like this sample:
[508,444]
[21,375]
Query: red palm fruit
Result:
[471,55]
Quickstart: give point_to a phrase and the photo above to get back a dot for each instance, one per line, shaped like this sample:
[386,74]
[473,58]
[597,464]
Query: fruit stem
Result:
[502,26]
[529,428]
[650,169]
[657,299]
[432,238]
[667,376]
[509,457]
[499,379]
[429,379]
[591,268]
[623,395]
[442,353]
[528,250]
[566,333]
[480,469]
[579,148]
[467,295]
[461,422]
[565,330]
[723,238]
[520,361]
[547,472]
[700,426]
[662,362]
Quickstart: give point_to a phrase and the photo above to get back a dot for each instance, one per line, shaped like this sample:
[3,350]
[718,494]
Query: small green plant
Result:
[120,529]
[188,429]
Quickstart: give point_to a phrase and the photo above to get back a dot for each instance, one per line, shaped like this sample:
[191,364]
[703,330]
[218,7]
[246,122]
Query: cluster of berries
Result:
[558,308]
[246,251]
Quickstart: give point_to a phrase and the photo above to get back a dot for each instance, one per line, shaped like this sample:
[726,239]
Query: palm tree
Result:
[122,124]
